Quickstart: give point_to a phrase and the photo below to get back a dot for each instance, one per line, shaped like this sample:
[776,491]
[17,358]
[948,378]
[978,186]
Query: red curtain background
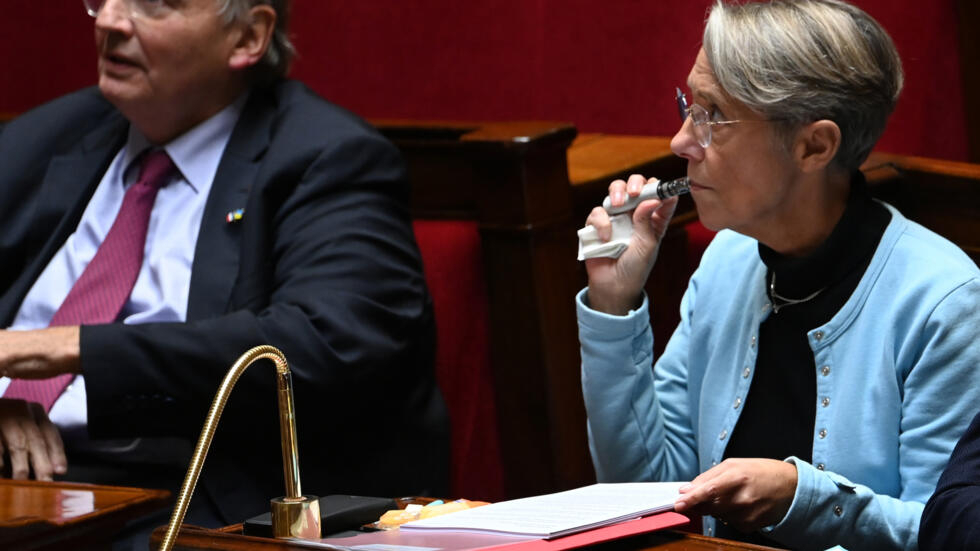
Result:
[606,65]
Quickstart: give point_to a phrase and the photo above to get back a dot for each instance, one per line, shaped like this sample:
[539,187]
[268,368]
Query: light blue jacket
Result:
[898,380]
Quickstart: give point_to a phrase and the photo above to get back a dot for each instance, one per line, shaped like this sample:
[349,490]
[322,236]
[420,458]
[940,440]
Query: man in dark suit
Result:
[283,221]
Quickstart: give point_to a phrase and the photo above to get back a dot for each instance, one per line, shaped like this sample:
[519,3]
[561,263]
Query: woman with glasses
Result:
[826,359]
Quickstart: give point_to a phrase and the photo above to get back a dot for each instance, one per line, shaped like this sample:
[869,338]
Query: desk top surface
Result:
[598,157]
[25,502]
[41,515]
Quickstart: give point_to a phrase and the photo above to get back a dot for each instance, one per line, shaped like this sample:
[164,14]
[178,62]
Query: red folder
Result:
[444,540]
[606,533]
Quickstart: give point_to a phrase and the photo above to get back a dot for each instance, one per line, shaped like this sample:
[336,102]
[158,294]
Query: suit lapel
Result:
[71,180]
[217,256]
[64,192]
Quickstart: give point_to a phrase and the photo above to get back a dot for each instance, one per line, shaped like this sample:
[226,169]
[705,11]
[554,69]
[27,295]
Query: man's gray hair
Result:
[798,61]
[275,63]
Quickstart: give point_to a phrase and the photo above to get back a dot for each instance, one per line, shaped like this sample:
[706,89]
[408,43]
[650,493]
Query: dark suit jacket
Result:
[951,519]
[323,266]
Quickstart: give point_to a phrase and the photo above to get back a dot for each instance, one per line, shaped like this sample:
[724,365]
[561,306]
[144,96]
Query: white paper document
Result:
[563,513]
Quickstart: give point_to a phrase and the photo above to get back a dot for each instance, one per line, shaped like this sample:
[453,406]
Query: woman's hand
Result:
[616,284]
[748,494]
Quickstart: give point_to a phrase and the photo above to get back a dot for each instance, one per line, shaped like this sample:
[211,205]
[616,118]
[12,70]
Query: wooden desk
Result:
[595,160]
[194,538]
[45,515]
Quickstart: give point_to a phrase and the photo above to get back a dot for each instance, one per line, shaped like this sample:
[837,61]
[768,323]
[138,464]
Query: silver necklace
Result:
[787,301]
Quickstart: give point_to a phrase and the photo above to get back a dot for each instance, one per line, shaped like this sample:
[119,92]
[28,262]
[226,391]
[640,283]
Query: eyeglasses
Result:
[701,118]
[137,8]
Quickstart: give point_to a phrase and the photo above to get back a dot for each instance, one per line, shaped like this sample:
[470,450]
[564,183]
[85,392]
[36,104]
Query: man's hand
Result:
[40,353]
[29,441]
[749,494]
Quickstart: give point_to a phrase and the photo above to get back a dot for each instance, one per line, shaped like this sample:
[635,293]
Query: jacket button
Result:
[746,372]
[738,402]
[825,402]
[821,466]
[723,434]
[822,433]
[825,370]
[838,510]
[818,335]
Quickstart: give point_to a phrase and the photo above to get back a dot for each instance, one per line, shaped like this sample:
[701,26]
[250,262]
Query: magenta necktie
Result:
[104,287]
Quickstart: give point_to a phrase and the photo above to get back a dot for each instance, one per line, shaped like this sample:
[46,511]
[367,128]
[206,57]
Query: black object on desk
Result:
[337,514]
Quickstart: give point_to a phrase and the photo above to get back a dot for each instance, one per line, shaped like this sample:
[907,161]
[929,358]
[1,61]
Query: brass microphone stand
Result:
[293,516]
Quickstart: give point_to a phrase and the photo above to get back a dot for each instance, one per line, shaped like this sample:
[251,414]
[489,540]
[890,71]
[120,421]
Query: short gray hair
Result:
[798,61]
[275,63]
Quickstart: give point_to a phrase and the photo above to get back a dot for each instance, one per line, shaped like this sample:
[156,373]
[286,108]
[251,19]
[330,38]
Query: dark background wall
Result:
[606,65]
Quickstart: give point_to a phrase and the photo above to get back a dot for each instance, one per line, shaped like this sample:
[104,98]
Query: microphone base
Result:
[296,517]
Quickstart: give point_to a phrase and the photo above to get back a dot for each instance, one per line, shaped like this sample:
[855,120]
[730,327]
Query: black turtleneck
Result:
[778,415]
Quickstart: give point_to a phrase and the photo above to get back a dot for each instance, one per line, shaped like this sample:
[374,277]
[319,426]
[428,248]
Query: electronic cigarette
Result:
[653,190]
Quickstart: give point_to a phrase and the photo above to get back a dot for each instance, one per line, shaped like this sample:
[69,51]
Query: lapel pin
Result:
[235,215]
